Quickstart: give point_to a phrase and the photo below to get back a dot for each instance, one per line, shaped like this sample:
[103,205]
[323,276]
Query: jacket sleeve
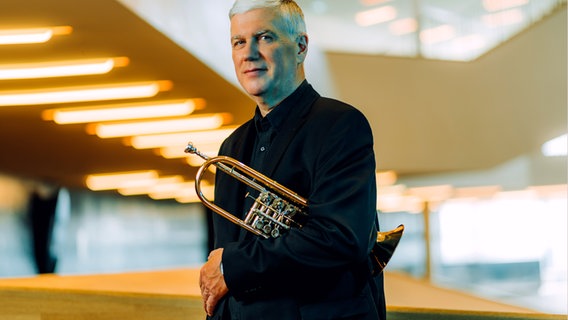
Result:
[341,225]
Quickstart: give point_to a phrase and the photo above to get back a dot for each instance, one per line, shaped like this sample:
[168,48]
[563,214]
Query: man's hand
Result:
[212,282]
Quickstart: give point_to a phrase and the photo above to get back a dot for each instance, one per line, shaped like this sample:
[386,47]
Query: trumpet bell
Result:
[384,248]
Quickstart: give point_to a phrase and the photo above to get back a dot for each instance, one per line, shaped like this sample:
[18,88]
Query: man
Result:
[318,147]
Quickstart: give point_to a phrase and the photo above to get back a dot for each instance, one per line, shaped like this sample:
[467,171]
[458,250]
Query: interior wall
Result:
[510,101]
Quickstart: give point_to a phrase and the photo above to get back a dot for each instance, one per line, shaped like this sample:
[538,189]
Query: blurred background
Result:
[467,101]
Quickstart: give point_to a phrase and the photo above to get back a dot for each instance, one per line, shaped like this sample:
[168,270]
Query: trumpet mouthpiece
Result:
[190,148]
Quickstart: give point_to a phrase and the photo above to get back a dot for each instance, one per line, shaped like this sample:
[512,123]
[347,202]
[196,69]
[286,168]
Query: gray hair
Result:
[289,10]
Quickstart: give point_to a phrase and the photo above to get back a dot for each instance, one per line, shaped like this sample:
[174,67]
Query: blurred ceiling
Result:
[433,29]
[38,149]
[63,154]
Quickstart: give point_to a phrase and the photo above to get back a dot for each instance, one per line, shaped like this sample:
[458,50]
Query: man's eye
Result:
[238,43]
[266,37]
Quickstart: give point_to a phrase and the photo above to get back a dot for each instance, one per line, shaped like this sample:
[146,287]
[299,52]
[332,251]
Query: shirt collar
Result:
[276,116]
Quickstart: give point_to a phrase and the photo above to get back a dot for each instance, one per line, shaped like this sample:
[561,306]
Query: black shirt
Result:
[267,129]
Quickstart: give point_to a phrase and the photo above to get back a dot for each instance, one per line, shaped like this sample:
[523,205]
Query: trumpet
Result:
[277,209]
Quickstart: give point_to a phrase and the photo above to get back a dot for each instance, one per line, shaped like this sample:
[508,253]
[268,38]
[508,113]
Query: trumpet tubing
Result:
[275,208]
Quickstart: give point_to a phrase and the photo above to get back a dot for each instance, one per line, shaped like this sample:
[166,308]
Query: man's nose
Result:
[251,51]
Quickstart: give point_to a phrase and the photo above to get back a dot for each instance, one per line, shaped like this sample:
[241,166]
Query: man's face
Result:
[266,60]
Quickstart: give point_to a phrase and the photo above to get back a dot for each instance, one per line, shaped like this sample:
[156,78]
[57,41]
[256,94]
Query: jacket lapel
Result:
[241,150]
[282,140]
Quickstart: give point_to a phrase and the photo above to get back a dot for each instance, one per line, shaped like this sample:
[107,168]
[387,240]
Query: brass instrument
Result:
[277,208]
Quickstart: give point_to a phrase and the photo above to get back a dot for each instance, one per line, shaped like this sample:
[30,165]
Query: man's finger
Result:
[210,305]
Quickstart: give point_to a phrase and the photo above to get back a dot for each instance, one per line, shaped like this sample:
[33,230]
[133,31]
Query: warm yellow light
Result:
[375,16]
[197,161]
[397,203]
[60,68]
[393,199]
[123,111]
[437,34]
[172,188]
[31,35]
[476,192]
[372,2]
[169,186]
[156,185]
[557,190]
[403,26]
[83,93]
[496,5]
[132,128]
[432,193]
[386,178]
[516,194]
[503,18]
[189,195]
[188,199]
[180,139]
[397,189]
[171,191]
[108,181]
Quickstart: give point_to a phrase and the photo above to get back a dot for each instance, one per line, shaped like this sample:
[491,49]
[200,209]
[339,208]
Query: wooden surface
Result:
[174,294]
[404,291]
[180,282]
[401,313]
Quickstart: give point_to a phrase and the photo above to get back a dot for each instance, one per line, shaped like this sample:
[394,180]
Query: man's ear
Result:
[302,43]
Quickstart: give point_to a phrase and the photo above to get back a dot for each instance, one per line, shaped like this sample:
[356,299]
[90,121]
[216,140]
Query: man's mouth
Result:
[254,70]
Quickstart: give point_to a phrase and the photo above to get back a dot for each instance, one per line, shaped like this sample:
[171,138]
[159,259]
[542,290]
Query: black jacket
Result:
[324,152]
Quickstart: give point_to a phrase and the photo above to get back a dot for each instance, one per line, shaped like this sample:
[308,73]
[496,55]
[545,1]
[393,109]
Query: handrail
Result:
[403,313]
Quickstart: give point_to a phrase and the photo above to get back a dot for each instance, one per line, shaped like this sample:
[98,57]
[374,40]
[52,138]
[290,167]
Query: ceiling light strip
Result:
[31,35]
[84,93]
[171,190]
[496,5]
[61,68]
[158,184]
[108,181]
[124,111]
[373,2]
[188,195]
[124,129]
[503,18]
[403,26]
[375,16]
[180,138]
[437,34]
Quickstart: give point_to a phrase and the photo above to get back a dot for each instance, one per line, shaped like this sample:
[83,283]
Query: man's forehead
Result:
[255,21]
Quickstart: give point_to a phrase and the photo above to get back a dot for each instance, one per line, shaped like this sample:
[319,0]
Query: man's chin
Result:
[255,91]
